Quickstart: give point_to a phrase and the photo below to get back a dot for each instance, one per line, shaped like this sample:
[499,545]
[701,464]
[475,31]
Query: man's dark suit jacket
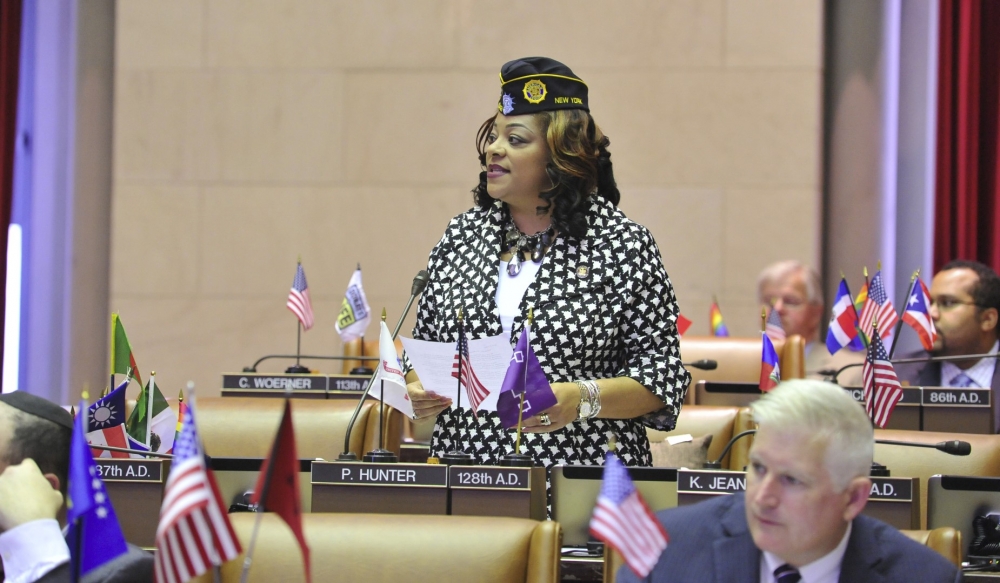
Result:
[928,374]
[135,566]
[710,542]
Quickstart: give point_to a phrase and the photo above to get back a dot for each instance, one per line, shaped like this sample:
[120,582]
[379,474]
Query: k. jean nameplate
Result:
[710,482]
[130,470]
[368,474]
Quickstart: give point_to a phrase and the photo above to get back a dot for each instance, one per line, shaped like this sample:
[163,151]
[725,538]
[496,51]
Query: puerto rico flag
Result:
[918,316]
[770,372]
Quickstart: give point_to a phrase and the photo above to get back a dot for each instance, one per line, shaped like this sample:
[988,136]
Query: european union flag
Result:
[94,537]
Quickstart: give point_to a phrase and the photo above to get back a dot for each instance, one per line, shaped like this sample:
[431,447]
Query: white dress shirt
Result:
[981,373]
[510,290]
[825,569]
[31,550]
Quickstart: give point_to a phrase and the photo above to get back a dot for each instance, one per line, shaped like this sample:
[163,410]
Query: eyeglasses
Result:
[949,303]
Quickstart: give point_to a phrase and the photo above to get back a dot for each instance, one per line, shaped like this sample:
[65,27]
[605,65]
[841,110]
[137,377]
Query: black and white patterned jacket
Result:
[603,308]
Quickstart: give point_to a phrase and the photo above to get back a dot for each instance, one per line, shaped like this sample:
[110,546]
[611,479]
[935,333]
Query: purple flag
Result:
[524,375]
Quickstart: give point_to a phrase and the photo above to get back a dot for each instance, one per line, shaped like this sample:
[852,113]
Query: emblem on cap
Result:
[508,104]
[534,91]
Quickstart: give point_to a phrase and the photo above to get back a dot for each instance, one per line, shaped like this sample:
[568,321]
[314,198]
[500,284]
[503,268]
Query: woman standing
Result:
[546,235]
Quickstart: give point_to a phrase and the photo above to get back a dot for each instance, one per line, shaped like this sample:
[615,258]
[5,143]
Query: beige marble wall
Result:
[247,133]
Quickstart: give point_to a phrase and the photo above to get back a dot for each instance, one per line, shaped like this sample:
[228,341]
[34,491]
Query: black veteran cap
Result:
[37,406]
[534,84]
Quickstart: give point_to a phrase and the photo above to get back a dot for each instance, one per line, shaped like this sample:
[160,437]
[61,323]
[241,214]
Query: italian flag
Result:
[152,424]
[122,359]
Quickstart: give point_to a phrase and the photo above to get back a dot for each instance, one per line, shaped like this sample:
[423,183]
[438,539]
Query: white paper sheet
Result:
[433,362]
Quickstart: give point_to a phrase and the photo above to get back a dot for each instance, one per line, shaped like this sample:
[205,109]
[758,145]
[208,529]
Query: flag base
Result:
[517,460]
[879,471]
[361,370]
[380,456]
[297,369]
[458,458]
[347,456]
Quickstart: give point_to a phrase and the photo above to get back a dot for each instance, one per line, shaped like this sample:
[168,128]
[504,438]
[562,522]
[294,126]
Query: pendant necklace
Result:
[518,244]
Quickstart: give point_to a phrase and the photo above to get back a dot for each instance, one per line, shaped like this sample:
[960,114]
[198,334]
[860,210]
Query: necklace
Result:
[518,244]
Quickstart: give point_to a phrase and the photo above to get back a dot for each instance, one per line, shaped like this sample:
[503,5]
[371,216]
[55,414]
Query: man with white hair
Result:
[793,290]
[800,519]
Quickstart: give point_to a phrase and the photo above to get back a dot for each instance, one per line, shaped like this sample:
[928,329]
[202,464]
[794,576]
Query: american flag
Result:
[877,307]
[773,326]
[882,390]
[473,388]
[298,299]
[194,533]
[623,521]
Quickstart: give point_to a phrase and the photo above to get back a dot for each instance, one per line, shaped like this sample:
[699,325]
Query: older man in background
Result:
[793,290]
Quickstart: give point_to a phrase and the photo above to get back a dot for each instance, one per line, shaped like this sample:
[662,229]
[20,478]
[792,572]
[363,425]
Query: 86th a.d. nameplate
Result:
[368,474]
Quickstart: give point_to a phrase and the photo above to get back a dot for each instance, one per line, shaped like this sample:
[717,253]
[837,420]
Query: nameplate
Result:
[954,397]
[489,478]
[130,470]
[911,395]
[710,482]
[347,383]
[295,382]
[895,489]
[367,474]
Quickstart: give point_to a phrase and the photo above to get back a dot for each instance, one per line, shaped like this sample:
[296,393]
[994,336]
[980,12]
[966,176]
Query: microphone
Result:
[833,374]
[419,283]
[717,464]
[703,364]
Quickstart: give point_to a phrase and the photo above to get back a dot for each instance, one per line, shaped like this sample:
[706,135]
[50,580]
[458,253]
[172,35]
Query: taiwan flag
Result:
[107,423]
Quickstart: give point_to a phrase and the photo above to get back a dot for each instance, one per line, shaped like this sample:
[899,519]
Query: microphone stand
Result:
[703,364]
[833,374]
[419,283]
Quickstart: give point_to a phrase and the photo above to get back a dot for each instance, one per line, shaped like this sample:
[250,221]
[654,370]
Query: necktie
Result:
[963,381]
[787,574]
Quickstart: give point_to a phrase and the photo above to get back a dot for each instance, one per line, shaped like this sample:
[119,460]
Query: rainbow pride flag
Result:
[715,317]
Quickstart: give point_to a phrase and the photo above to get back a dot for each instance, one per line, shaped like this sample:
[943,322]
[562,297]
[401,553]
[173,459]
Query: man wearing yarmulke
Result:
[34,466]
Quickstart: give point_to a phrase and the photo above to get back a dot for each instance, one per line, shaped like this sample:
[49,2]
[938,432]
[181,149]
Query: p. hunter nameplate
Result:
[956,397]
[130,470]
[368,474]
[489,478]
[280,382]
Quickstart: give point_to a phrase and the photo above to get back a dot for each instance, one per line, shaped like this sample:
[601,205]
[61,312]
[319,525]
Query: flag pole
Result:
[248,559]
[864,337]
[899,323]
[380,455]
[85,411]
[457,456]
[149,409]
[763,320]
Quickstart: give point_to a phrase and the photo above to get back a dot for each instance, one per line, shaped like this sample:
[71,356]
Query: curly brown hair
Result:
[579,167]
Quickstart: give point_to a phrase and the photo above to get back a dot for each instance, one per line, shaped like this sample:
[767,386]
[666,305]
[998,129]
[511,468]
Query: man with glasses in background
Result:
[965,303]
[793,290]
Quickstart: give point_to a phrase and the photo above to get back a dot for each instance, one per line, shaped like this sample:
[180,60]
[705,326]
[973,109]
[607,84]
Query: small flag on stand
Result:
[882,390]
[181,411]
[715,317]
[152,424]
[773,326]
[918,316]
[524,376]
[474,389]
[107,423]
[298,299]
[682,324]
[770,372]
[93,534]
[624,522]
[355,314]
[391,372]
[277,488]
[122,358]
[877,306]
[194,533]
[843,329]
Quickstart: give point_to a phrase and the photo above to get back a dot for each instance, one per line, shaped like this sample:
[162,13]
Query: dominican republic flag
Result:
[882,390]
[389,383]
[623,521]
[843,329]
[772,326]
[878,307]
[461,369]
[107,423]
[770,372]
[918,316]
[298,299]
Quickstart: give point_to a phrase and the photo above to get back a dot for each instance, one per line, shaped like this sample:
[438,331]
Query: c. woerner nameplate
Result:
[275,382]
[368,474]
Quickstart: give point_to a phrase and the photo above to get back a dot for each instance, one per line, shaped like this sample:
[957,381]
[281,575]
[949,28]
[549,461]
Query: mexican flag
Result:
[122,359]
[152,424]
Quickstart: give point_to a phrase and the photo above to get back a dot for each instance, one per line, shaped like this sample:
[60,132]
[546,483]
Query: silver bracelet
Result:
[590,400]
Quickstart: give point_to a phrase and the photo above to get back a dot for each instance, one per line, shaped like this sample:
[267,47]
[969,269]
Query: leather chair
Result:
[245,426]
[390,548]
[916,462]
[722,422]
[739,359]
[945,540]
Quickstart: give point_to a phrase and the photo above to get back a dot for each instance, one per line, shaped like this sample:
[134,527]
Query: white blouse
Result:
[510,290]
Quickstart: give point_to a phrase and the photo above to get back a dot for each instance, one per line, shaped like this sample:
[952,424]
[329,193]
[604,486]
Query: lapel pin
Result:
[582,271]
